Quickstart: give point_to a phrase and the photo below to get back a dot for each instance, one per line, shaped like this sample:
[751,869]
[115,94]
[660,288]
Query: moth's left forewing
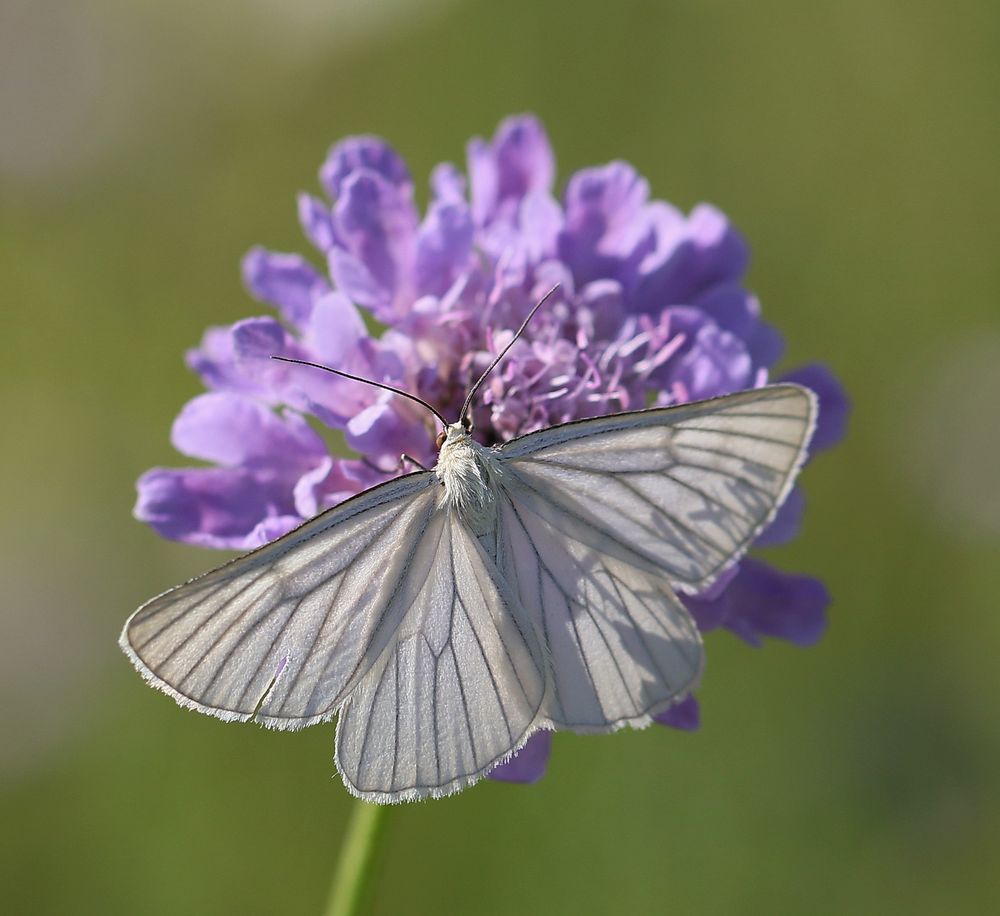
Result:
[682,490]
[284,633]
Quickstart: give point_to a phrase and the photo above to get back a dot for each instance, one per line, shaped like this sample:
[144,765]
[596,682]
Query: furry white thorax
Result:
[469,472]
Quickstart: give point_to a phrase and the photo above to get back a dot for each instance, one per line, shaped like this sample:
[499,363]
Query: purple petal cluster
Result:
[651,309]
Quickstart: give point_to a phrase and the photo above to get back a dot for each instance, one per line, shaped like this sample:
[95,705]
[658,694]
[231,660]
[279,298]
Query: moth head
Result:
[454,432]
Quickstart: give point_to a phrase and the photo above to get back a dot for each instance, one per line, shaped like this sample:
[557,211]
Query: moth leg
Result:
[405,459]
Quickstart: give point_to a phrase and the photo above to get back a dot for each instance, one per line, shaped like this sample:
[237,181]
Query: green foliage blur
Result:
[146,147]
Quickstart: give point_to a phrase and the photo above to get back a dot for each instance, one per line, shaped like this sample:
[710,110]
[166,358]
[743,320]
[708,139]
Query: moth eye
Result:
[440,439]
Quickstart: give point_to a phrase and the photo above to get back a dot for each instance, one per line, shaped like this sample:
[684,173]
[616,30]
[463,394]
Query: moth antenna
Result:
[464,415]
[366,381]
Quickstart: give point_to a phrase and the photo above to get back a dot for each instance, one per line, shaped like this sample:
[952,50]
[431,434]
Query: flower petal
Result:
[371,154]
[331,482]
[517,161]
[306,388]
[539,221]
[685,264]
[715,363]
[685,715]
[733,309]
[286,281]
[761,601]
[785,525]
[834,405]
[605,221]
[708,610]
[444,245]
[528,764]
[270,529]
[217,364]
[447,183]
[234,430]
[388,428]
[335,332]
[375,223]
[222,508]
[316,219]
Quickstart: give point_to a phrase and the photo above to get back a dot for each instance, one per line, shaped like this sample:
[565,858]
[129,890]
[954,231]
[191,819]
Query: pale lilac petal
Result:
[685,265]
[761,601]
[685,715]
[286,281]
[539,220]
[209,507]
[447,183]
[785,525]
[217,364]
[444,246]
[517,161]
[720,584]
[528,764]
[233,430]
[376,225]
[733,309]
[765,344]
[707,608]
[723,252]
[483,180]
[353,278]
[323,394]
[316,219]
[371,154]
[270,529]
[386,429]
[525,161]
[602,309]
[308,488]
[708,614]
[331,482]
[260,338]
[605,221]
[335,332]
[716,363]
[255,341]
[834,405]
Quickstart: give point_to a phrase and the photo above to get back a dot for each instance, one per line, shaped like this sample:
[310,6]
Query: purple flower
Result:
[651,308]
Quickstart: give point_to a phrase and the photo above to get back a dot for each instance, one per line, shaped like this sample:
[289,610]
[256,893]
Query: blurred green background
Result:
[144,148]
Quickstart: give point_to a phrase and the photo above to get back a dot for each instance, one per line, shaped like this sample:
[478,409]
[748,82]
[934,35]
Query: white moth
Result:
[447,615]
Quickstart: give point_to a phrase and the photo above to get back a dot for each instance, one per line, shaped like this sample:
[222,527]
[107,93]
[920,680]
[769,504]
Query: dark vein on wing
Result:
[723,454]
[511,616]
[482,651]
[454,655]
[592,526]
[543,566]
[639,632]
[739,434]
[268,615]
[146,642]
[387,606]
[543,622]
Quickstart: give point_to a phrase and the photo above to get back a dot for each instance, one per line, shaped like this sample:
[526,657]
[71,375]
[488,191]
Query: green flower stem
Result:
[352,884]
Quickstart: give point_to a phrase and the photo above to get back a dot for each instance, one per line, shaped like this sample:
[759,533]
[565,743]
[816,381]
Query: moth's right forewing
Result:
[288,630]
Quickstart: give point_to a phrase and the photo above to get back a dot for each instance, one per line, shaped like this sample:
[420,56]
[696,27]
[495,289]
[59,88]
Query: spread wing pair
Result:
[443,650]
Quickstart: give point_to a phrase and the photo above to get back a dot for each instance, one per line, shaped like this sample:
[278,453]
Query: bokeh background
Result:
[145,147]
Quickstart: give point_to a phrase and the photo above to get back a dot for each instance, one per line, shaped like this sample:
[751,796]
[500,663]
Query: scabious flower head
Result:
[651,309]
